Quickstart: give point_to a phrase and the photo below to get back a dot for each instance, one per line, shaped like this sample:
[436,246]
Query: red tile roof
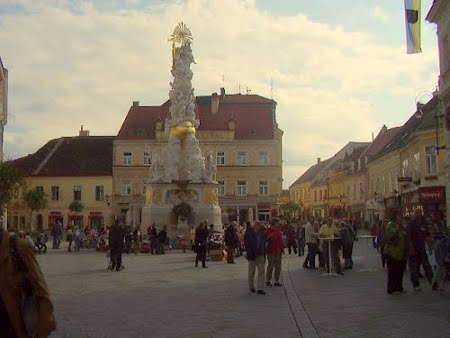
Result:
[384,137]
[253,116]
[70,156]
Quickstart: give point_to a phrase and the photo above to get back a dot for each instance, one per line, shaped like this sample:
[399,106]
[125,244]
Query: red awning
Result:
[95,216]
[55,216]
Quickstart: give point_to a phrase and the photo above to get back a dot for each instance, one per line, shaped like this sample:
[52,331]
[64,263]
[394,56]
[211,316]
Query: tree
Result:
[35,200]
[76,206]
[291,207]
[10,182]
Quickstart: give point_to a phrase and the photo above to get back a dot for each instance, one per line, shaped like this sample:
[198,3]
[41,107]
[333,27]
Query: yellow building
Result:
[68,169]
[439,14]
[408,173]
[239,130]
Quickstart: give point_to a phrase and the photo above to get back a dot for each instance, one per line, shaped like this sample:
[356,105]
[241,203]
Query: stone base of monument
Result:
[161,198]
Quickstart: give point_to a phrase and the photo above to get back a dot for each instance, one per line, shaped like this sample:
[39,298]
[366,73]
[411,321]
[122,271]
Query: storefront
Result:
[95,220]
[54,218]
[76,220]
[432,200]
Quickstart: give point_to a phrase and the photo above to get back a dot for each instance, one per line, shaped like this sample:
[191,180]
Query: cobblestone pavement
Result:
[165,296]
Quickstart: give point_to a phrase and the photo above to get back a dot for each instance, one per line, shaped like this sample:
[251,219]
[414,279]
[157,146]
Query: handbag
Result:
[28,303]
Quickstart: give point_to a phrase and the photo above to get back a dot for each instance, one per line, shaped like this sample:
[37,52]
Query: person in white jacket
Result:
[311,238]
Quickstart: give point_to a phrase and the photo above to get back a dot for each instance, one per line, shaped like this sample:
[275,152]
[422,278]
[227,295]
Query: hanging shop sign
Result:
[432,195]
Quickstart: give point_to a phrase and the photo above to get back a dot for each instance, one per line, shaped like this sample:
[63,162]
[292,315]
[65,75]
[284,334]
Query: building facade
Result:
[240,131]
[68,169]
[440,15]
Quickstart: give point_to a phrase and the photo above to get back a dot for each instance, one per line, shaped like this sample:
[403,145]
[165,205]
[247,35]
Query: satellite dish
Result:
[422,98]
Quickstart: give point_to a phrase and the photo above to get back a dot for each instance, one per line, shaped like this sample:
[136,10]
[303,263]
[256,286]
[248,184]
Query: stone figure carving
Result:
[157,168]
[211,167]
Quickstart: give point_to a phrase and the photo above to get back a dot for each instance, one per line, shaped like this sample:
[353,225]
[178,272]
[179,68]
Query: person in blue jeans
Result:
[417,232]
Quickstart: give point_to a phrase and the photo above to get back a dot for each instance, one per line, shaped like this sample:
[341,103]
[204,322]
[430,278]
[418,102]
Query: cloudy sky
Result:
[339,68]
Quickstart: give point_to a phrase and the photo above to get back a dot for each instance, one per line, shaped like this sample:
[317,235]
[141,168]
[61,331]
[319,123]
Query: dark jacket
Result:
[201,236]
[231,238]
[417,233]
[255,243]
[162,235]
[116,235]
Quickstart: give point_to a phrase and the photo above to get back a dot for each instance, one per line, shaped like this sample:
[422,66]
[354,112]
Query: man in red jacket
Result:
[275,250]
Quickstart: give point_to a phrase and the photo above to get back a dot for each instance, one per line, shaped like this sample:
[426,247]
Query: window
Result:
[221,188]
[241,188]
[55,193]
[126,188]
[143,188]
[126,160]
[315,195]
[416,165]
[320,195]
[405,167]
[220,158]
[263,158]
[77,192]
[40,188]
[431,160]
[242,157]
[263,188]
[147,158]
[99,193]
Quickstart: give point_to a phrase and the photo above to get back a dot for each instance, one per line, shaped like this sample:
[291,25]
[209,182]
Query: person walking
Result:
[78,236]
[311,238]
[291,238]
[394,243]
[137,238]
[301,238]
[69,237]
[128,238]
[328,230]
[26,309]
[347,239]
[417,233]
[255,246]
[201,236]
[116,237]
[162,236]
[231,241]
[275,250]
[153,236]
[441,248]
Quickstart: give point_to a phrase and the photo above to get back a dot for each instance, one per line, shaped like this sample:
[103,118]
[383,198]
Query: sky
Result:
[338,70]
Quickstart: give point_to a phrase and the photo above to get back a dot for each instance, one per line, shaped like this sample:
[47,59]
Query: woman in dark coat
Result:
[201,236]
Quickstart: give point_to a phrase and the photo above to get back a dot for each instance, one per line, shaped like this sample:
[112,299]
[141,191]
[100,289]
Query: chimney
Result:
[222,92]
[372,137]
[214,103]
[83,132]
[318,160]
[135,103]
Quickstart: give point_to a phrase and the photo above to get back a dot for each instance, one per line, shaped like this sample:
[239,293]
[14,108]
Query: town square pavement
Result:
[166,296]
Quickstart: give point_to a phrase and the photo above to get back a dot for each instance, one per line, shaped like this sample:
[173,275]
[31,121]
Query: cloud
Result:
[74,63]
[379,14]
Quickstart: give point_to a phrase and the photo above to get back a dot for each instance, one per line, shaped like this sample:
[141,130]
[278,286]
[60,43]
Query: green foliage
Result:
[10,182]
[76,206]
[183,209]
[35,199]
[291,206]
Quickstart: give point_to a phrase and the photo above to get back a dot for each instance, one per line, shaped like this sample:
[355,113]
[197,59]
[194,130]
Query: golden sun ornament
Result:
[181,34]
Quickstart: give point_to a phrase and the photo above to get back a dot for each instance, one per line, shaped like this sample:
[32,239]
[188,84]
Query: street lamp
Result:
[422,98]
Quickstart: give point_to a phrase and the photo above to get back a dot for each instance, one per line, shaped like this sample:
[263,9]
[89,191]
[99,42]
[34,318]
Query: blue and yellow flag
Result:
[412,21]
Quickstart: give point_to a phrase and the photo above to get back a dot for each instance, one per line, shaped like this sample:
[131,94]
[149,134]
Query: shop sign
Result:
[427,195]
[404,179]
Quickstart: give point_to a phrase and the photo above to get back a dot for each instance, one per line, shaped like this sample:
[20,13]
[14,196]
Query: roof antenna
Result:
[223,81]
[248,90]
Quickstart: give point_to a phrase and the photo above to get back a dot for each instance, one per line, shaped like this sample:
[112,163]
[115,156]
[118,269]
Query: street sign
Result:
[404,179]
